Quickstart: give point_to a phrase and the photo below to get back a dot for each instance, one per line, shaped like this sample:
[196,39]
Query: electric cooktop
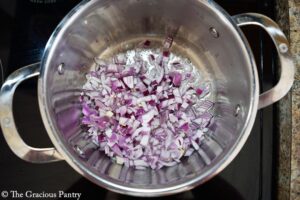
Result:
[26,26]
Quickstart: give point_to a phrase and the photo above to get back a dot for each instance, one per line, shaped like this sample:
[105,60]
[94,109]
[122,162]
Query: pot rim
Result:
[134,191]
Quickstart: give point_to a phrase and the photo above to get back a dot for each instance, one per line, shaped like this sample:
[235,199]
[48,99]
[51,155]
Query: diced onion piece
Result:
[129,81]
[145,140]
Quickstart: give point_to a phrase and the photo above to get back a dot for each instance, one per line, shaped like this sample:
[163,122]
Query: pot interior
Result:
[104,28]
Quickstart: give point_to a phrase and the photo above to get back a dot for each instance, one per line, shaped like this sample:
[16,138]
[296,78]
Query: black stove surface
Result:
[26,26]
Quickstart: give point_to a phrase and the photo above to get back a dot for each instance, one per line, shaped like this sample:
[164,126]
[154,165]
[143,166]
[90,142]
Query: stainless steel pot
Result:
[203,31]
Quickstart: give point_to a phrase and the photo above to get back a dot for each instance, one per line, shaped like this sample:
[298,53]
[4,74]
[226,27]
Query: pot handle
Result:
[11,135]
[286,61]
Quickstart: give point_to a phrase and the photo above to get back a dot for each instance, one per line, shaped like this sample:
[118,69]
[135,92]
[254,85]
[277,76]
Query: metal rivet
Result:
[61,69]
[237,110]
[283,48]
[214,32]
[6,121]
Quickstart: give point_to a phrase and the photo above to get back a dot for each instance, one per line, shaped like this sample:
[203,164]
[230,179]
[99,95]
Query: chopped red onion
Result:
[177,78]
[199,91]
[129,81]
[143,110]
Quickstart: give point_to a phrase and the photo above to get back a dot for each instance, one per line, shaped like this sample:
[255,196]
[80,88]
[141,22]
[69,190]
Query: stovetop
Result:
[26,26]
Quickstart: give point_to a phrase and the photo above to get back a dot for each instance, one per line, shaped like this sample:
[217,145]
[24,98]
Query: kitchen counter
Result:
[289,109]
